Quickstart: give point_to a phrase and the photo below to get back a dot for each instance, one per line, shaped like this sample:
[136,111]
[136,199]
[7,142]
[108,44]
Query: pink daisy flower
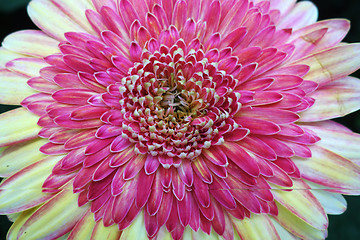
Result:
[177,119]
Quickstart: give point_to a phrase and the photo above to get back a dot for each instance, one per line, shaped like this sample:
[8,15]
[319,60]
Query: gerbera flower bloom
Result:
[160,119]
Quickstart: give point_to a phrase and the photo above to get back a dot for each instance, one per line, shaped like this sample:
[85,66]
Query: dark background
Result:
[13,17]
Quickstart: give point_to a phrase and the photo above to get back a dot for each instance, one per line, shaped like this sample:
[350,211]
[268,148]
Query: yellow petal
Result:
[333,203]
[24,189]
[303,204]
[283,233]
[297,226]
[55,218]
[31,43]
[83,228]
[136,230]
[257,227]
[16,157]
[15,227]
[108,233]
[332,64]
[49,18]
[13,87]
[18,125]
[336,99]
[27,66]
[6,55]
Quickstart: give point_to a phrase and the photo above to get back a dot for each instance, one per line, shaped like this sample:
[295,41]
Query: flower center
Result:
[172,106]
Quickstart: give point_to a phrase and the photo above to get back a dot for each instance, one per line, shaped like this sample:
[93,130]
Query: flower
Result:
[177,119]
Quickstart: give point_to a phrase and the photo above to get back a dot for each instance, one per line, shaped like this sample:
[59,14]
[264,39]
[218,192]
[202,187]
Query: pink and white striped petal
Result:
[336,31]
[303,14]
[75,10]
[338,140]
[29,67]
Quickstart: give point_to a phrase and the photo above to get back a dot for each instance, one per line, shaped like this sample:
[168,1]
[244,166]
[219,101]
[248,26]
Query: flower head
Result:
[177,118]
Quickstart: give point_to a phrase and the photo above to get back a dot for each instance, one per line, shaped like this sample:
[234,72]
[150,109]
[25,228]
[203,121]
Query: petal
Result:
[340,141]
[76,11]
[31,42]
[333,203]
[336,99]
[336,31]
[136,230]
[59,215]
[324,67]
[18,125]
[301,202]
[19,222]
[102,232]
[26,66]
[303,14]
[257,227]
[7,55]
[296,226]
[13,87]
[18,156]
[49,18]
[84,228]
[23,190]
[326,168]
